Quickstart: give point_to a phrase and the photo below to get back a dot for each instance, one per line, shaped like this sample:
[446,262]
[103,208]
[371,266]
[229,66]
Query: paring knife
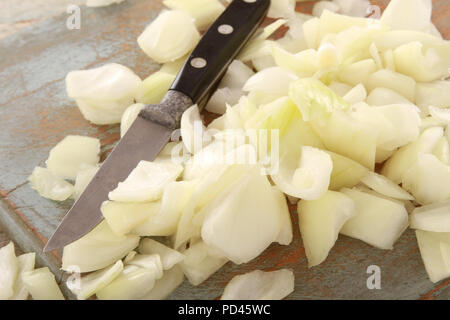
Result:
[153,127]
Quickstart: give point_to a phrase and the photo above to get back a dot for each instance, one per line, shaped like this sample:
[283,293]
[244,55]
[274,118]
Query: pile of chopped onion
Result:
[360,106]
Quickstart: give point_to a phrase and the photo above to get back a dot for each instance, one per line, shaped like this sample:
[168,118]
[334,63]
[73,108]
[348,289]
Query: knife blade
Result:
[153,127]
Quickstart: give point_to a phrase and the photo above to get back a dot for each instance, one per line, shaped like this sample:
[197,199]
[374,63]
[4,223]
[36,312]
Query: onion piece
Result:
[246,209]
[192,129]
[170,36]
[164,221]
[383,96]
[9,267]
[442,150]
[133,283]
[428,179]
[96,281]
[358,72]
[146,182]
[42,285]
[103,93]
[260,285]
[378,221]
[200,263]
[274,80]
[169,257]
[433,94]
[430,250]
[148,261]
[285,236]
[441,114]
[166,285]
[122,217]
[303,63]
[49,185]
[69,154]
[434,217]
[25,263]
[204,12]
[408,15]
[98,249]
[346,172]
[154,87]
[356,94]
[221,97]
[385,186]
[406,156]
[320,222]
[310,178]
[237,75]
[400,83]
[422,65]
[83,178]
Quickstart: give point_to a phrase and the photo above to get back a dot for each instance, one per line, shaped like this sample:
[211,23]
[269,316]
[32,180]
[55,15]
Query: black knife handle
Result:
[218,47]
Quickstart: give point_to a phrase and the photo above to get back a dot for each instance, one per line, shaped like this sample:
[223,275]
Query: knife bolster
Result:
[168,113]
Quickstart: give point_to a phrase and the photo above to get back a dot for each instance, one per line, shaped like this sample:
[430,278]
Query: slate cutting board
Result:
[35,114]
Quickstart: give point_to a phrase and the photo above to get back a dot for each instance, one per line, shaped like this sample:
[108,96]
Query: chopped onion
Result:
[148,261]
[68,155]
[233,220]
[154,87]
[169,257]
[441,114]
[260,285]
[281,9]
[9,267]
[346,172]
[200,263]
[95,281]
[385,186]
[406,156]
[433,94]
[378,222]
[355,8]
[146,182]
[356,94]
[320,222]
[383,96]
[103,93]
[273,80]
[204,12]
[434,217]
[42,285]
[84,177]
[170,36]
[192,129]
[98,249]
[133,283]
[166,285]
[400,83]
[49,185]
[408,15]
[428,179]
[430,250]
[122,217]
[25,263]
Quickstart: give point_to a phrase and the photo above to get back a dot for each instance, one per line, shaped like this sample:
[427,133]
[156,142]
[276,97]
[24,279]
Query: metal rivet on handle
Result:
[250,1]
[198,63]
[225,29]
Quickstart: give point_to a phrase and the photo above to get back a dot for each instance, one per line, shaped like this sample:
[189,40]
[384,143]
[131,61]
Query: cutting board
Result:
[35,114]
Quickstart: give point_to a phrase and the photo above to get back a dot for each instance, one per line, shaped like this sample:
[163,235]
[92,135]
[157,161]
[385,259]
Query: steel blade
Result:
[143,141]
